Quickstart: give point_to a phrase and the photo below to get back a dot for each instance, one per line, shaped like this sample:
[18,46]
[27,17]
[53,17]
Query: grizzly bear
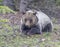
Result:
[35,22]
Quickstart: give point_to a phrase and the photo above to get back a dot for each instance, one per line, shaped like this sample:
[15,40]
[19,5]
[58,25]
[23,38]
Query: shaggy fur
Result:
[35,22]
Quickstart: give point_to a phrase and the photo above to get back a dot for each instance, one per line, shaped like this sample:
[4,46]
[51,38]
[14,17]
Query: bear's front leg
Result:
[34,31]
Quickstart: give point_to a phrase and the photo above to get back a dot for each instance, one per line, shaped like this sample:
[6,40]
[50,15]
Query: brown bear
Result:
[35,22]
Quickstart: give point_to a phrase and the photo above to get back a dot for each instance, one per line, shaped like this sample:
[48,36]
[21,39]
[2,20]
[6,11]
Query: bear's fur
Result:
[35,22]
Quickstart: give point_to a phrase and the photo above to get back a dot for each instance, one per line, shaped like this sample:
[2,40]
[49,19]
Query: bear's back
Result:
[43,18]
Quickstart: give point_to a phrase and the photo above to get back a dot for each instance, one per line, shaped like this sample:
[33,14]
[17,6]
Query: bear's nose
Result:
[28,23]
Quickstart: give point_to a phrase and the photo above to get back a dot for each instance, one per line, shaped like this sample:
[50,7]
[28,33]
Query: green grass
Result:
[58,2]
[33,41]
[5,9]
[9,38]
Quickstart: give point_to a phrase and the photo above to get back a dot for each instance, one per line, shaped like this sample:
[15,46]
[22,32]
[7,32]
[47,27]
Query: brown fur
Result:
[29,17]
[35,22]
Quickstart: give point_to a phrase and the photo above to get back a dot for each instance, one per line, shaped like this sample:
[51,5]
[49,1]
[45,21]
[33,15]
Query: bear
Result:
[35,22]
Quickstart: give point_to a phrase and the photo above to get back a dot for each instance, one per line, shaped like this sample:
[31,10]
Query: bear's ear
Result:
[34,13]
[24,12]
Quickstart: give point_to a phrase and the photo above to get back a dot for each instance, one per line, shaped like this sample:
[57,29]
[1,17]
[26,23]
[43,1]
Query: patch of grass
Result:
[5,28]
[56,26]
[58,2]
[4,20]
[1,0]
[54,20]
[19,41]
[32,41]
[5,9]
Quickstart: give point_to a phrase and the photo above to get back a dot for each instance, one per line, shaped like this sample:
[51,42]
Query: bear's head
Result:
[29,19]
